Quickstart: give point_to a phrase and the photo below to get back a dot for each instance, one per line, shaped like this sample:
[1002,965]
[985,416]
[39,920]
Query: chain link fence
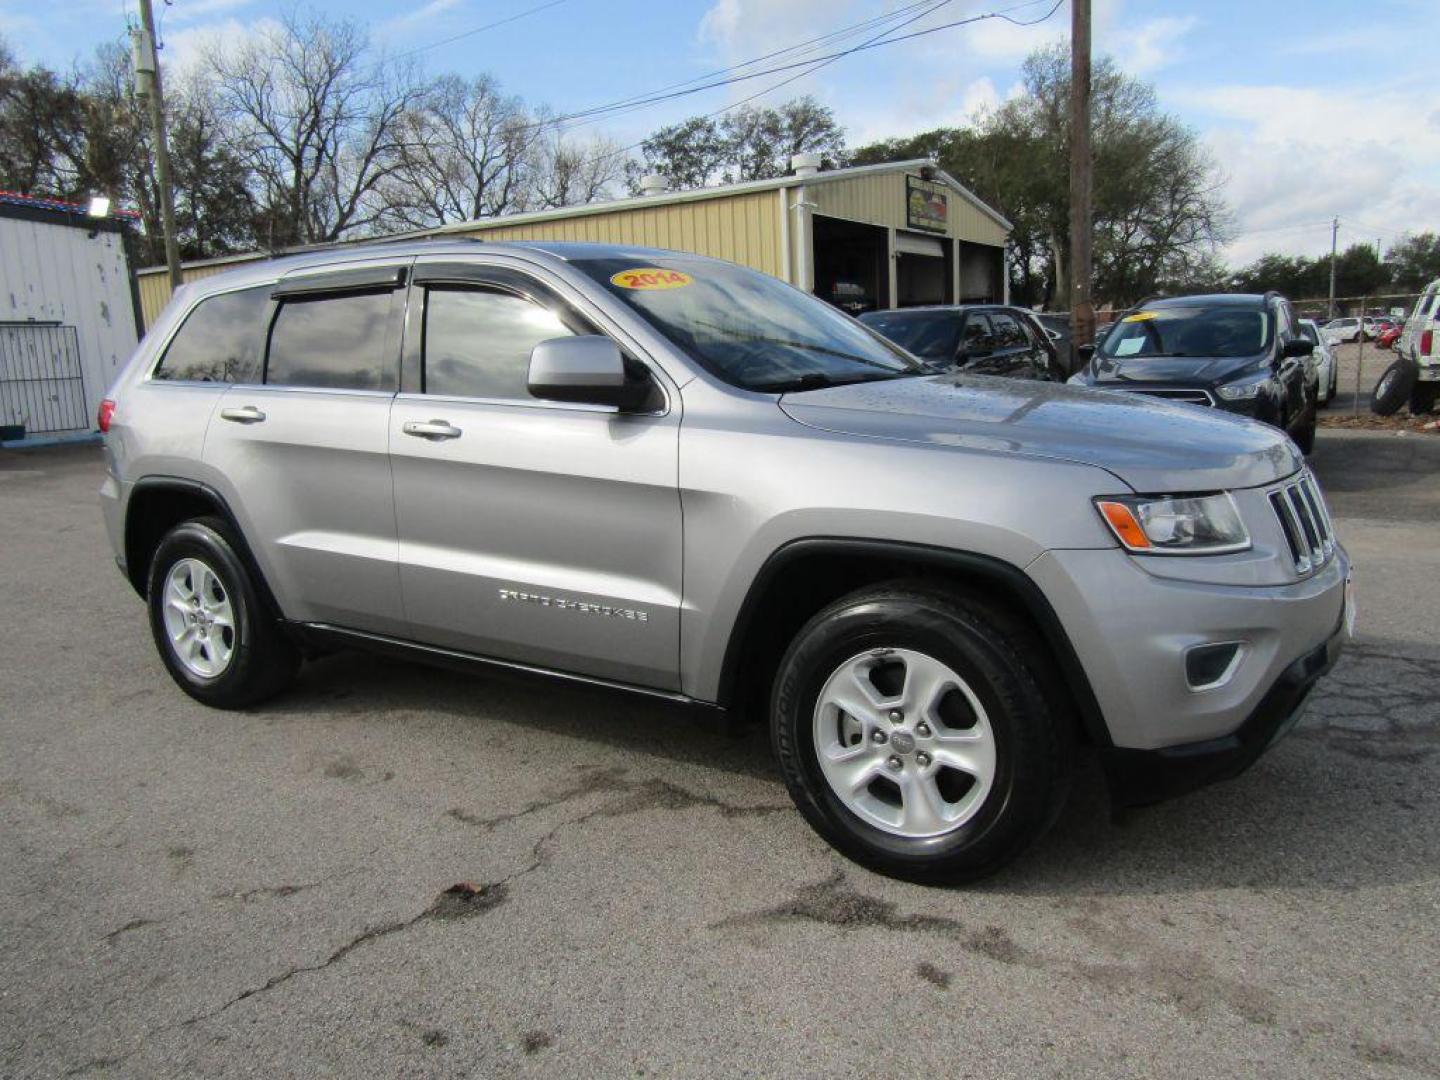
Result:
[1369,360]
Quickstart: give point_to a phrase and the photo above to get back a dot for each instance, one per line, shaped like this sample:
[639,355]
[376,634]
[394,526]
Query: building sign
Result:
[927,206]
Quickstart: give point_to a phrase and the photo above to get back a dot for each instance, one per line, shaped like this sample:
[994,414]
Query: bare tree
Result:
[569,173]
[466,151]
[318,119]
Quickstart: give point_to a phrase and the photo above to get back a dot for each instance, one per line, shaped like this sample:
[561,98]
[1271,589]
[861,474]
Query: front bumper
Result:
[1141,777]
[1132,628]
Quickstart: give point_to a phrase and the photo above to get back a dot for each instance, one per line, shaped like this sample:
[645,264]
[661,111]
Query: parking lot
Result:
[399,871]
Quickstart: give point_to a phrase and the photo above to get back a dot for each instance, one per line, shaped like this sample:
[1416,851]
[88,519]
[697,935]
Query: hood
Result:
[1154,446]
[1171,369]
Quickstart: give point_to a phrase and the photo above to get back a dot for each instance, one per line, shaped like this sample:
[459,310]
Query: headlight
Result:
[1243,391]
[1175,524]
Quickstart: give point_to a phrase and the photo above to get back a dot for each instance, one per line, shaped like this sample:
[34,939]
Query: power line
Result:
[481,29]
[819,62]
[799,48]
[814,63]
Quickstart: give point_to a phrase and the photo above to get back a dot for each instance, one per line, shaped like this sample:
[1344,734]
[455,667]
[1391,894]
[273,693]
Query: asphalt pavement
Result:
[396,871]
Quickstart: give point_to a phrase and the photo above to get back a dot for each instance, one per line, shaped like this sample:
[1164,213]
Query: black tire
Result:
[1003,666]
[1393,389]
[1423,398]
[262,660]
[1305,436]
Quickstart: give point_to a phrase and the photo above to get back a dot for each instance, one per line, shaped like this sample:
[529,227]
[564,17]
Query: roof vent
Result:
[806,164]
[654,184]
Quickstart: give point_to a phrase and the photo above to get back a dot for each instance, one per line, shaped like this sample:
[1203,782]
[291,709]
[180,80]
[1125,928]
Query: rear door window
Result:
[977,333]
[336,341]
[1008,331]
[220,340]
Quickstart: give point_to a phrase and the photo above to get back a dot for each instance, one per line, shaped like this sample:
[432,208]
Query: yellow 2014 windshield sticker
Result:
[1139,316]
[650,277]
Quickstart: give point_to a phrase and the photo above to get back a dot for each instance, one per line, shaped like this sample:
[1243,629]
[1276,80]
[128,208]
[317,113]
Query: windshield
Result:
[1312,335]
[1197,331]
[747,328]
[933,336]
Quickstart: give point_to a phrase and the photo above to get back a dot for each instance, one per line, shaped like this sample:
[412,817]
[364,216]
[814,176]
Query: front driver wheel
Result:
[914,736]
[218,643]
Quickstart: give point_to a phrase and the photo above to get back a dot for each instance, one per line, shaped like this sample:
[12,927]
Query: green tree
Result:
[747,144]
[1358,272]
[1414,261]
[1157,216]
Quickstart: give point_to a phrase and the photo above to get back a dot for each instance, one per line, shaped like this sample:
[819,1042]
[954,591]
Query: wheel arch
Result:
[802,576]
[157,504]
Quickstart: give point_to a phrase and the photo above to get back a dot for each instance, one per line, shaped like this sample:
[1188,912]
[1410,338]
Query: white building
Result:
[69,314]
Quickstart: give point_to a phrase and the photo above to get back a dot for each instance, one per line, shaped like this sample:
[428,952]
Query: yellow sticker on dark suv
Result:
[650,277]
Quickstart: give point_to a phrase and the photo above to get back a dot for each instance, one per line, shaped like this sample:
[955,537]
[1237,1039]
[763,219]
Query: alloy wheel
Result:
[199,618]
[904,742]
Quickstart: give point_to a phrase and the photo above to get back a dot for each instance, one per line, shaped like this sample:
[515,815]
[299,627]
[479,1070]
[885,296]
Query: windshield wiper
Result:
[815,380]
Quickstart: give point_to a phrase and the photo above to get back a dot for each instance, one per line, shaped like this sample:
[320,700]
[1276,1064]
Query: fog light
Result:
[1209,666]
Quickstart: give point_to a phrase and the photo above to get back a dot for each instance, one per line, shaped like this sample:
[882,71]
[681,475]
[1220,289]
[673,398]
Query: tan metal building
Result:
[874,236]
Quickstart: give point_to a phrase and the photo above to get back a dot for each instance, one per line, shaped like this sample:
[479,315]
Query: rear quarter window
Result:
[219,341]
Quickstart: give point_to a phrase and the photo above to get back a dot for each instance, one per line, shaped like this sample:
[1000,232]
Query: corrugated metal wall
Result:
[879,199]
[155,285]
[59,273]
[742,228]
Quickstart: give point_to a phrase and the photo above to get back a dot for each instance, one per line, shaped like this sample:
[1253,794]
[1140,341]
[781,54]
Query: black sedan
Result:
[979,339]
[1242,353]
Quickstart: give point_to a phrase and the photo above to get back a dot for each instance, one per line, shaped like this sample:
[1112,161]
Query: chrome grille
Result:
[1305,522]
[1191,397]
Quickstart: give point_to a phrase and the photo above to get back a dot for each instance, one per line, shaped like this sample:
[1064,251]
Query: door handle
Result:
[431,429]
[247,414]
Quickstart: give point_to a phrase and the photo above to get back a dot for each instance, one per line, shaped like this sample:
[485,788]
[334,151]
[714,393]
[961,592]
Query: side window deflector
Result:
[374,277]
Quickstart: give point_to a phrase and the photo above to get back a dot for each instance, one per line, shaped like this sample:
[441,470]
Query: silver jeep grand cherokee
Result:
[668,475]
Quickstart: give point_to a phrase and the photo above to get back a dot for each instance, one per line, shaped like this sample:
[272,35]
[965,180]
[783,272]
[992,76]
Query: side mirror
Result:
[1297,347]
[1086,352]
[587,370]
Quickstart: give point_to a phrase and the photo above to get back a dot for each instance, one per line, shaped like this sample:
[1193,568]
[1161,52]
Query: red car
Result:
[1388,336]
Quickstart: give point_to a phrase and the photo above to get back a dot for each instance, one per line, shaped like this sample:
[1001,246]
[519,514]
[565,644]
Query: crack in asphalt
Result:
[465,899]
[457,902]
[133,924]
[644,795]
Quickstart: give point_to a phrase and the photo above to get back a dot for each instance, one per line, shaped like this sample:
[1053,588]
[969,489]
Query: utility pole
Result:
[147,85]
[1082,302]
[1334,242]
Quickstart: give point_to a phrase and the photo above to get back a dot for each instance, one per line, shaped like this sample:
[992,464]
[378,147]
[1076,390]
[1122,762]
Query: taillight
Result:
[1427,342]
[102,417]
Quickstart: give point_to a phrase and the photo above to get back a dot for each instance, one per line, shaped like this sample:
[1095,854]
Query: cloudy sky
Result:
[1312,108]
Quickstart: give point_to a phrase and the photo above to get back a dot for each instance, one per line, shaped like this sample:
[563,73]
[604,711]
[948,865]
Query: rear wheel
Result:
[914,736]
[217,641]
[1393,389]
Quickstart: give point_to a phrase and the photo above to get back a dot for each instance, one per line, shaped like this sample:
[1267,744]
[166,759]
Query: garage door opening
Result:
[982,274]
[850,264]
[922,270]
